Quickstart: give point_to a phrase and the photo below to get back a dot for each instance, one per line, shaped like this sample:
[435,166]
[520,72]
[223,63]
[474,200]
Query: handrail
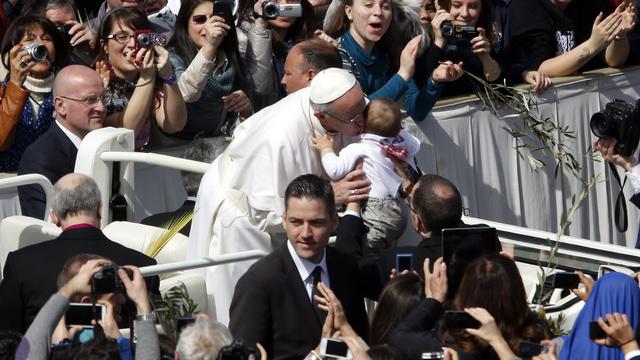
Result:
[29,179]
[156,159]
[540,240]
[203,262]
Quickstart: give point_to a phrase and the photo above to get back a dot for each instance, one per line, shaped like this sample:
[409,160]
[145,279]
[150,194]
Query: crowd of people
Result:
[300,114]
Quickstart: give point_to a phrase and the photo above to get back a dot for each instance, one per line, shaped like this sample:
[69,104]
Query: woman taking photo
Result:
[264,45]
[362,26]
[204,54]
[26,104]
[142,90]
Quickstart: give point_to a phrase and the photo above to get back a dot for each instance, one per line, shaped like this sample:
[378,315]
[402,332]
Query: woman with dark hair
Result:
[32,51]
[398,297]
[264,45]
[204,54]
[142,90]
[491,283]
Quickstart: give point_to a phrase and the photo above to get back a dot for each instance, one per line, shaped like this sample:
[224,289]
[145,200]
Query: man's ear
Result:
[99,211]
[284,220]
[54,218]
[311,72]
[60,110]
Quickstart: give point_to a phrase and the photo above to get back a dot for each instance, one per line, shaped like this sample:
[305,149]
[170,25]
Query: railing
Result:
[30,179]
[204,262]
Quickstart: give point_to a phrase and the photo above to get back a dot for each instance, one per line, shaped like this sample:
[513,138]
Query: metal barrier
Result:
[204,262]
[30,179]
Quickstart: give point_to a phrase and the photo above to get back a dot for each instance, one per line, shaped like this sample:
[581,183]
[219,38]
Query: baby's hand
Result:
[322,142]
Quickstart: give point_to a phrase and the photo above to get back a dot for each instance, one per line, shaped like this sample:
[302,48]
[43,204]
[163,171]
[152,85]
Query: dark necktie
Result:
[317,272]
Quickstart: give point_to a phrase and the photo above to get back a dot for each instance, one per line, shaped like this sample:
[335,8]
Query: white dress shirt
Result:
[306,267]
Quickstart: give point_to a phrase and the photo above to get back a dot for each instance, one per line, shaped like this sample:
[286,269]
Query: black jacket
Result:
[30,273]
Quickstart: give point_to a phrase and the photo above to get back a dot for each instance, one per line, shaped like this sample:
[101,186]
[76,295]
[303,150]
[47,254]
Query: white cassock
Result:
[241,197]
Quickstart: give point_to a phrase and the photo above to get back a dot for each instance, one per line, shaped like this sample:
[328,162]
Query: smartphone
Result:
[529,349]
[460,320]
[334,348]
[433,355]
[595,331]
[562,280]
[81,314]
[404,262]
[223,9]
[181,322]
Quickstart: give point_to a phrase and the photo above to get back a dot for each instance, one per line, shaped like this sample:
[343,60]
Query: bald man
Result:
[305,60]
[78,96]
[30,274]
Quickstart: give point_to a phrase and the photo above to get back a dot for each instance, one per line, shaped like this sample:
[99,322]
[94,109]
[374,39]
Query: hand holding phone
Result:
[460,320]
[404,262]
[334,348]
[595,331]
[562,280]
[81,314]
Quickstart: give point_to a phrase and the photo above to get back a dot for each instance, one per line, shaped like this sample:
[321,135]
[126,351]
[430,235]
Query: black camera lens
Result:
[270,10]
[447,29]
[38,53]
[143,40]
[600,125]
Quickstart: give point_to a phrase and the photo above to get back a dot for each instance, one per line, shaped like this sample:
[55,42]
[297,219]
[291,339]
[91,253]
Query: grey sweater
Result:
[36,342]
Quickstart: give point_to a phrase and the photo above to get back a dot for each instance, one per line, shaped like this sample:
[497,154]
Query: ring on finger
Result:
[353,192]
[23,64]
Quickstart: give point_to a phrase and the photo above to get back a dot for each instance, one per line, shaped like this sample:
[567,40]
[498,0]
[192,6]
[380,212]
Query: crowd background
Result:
[205,71]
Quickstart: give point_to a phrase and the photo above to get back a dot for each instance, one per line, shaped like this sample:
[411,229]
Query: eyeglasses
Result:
[348,122]
[199,19]
[121,37]
[89,101]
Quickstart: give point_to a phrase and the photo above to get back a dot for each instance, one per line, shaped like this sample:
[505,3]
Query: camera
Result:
[272,10]
[458,33]
[237,350]
[618,120]
[38,53]
[106,280]
[146,38]
[64,30]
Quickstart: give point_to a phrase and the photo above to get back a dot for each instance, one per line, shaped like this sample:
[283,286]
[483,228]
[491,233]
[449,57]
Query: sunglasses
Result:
[199,19]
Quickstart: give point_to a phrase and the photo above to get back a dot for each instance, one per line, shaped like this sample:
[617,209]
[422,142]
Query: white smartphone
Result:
[81,314]
[334,348]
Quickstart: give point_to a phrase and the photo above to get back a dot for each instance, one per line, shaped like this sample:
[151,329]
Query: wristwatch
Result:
[150,316]
[170,80]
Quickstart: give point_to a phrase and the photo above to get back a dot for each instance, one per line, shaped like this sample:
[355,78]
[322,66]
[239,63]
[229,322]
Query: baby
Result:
[384,212]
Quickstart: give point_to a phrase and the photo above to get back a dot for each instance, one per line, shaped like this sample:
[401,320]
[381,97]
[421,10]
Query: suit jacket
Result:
[164,218]
[52,155]
[271,305]
[30,273]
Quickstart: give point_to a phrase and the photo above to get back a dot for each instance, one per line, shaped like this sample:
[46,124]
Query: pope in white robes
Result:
[241,197]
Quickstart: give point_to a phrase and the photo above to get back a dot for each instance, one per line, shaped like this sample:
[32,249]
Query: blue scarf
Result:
[27,131]
[613,292]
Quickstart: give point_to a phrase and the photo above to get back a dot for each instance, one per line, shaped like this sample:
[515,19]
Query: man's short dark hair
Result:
[319,55]
[203,150]
[313,187]
[437,202]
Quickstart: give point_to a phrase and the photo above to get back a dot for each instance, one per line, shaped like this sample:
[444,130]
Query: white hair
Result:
[203,340]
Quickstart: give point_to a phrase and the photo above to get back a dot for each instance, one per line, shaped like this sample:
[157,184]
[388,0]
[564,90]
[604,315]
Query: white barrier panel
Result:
[28,179]
[204,262]
[466,144]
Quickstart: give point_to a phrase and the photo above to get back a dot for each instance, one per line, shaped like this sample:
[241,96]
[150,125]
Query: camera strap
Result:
[620,214]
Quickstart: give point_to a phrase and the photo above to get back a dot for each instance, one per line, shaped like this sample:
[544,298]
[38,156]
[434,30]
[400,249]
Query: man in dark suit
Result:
[30,274]
[272,303]
[78,94]
[435,204]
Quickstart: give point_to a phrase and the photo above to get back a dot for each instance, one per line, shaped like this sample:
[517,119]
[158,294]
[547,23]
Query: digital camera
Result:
[458,33]
[618,120]
[272,10]
[38,53]
[145,39]
[106,280]
[237,350]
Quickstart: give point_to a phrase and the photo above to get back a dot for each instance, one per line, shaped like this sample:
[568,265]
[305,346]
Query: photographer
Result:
[63,13]
[204,54]
[38,338]
[606,147]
